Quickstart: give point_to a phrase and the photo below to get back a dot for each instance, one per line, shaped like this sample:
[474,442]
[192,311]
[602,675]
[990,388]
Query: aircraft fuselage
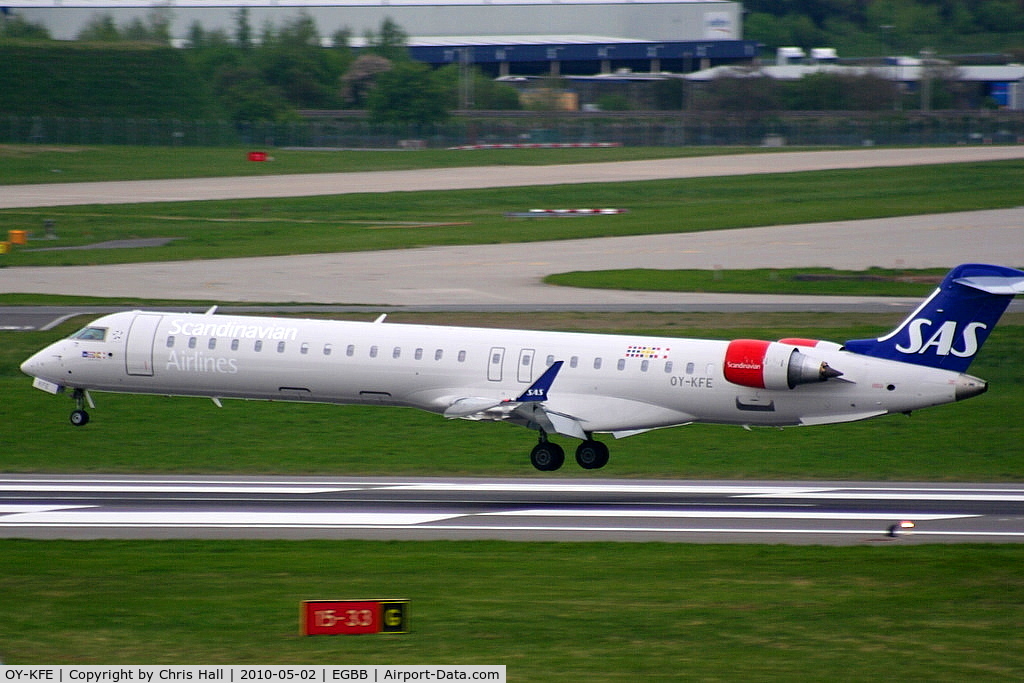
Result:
[620,384]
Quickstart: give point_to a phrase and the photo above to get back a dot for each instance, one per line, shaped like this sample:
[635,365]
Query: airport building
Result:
[502,37]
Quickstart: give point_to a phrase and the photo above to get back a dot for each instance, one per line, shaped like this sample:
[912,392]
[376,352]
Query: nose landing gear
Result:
[79,417]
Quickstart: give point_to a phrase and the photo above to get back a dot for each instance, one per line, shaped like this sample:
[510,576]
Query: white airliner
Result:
[572,384]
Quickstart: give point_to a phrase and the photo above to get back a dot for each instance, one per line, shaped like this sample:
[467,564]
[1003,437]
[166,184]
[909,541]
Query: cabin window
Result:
[419,354]
[597,363]
[234,344]
[191,342]
[396,352]
[462,356]
[439,354]
[280,347]
[668,367]
[327,349]
[550,360]
[689,368]
[574,361]
[710,369]
[373,352]
[644,365]
[170,342]
[304,348]
[212,343]
[621,364]
[496,359]
[350,350]
[91,334]
[258,346]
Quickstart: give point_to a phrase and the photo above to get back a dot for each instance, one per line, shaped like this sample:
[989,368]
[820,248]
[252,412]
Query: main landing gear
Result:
[548,457]
[79,417]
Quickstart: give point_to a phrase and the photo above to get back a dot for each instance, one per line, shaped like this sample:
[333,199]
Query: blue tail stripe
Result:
[949,328]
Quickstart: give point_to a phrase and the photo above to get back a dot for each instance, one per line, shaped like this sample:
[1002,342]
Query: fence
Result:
[653,130]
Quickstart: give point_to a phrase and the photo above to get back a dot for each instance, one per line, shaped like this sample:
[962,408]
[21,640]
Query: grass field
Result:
[872,282]
[68,164]
[548,611]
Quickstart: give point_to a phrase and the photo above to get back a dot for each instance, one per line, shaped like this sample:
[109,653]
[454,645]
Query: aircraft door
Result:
[525,372]
[494,364]
[138,352]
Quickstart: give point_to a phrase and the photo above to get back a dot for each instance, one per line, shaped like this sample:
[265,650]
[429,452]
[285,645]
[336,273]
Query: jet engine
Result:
[772,365]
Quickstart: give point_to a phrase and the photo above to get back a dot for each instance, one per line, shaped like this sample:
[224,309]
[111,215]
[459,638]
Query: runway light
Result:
[904,526]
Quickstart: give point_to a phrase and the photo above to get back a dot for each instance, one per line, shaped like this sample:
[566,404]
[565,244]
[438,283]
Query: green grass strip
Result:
[20,164]
[813,281]
[572,612]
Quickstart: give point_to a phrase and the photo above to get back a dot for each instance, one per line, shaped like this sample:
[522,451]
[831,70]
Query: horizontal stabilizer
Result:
[994,285]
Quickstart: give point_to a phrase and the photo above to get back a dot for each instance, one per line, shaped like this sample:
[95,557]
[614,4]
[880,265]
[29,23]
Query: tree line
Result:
[884,27]
[272,74]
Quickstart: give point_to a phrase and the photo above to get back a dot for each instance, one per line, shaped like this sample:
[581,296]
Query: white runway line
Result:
[727,489]
[163,488]
[134,519]
[724,514]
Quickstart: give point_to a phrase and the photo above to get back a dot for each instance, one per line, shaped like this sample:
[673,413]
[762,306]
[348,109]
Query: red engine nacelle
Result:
[772,365]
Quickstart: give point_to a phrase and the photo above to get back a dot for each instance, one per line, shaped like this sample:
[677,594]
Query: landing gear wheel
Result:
[592,455]
[547,456]
[79,418]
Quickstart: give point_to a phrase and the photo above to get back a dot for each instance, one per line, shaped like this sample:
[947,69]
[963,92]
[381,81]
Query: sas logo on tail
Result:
[942,339]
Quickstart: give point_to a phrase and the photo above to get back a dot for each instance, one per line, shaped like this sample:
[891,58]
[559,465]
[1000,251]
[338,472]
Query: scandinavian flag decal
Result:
[634,351]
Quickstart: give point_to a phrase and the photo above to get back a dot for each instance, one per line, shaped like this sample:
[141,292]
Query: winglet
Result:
[538,391]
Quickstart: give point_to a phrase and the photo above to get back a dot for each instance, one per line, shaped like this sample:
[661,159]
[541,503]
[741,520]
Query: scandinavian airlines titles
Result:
[233,330]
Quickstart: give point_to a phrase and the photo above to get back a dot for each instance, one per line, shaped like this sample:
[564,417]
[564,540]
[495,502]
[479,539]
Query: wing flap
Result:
[470,405]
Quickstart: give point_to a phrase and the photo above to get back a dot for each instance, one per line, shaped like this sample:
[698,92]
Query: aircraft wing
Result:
[573,415]
[536,393]
[528,407]
[550,421]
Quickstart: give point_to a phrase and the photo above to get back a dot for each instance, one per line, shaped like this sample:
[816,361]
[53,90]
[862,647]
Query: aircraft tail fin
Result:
[948,329]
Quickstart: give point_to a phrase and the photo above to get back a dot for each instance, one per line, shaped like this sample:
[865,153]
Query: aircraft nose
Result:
[30,366]
[36,365]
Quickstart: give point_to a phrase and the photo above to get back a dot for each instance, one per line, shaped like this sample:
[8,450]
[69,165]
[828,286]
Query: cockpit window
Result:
[91,334]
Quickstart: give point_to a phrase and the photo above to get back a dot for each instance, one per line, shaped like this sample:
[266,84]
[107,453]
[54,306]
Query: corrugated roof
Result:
[194,4]
[491,40]
[792,72]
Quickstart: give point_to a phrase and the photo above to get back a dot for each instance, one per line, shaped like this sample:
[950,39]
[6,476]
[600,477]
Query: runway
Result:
[832,513]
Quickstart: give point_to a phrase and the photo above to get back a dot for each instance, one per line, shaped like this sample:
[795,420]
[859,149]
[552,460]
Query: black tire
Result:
[79,418]
[547,457]
[592,455]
